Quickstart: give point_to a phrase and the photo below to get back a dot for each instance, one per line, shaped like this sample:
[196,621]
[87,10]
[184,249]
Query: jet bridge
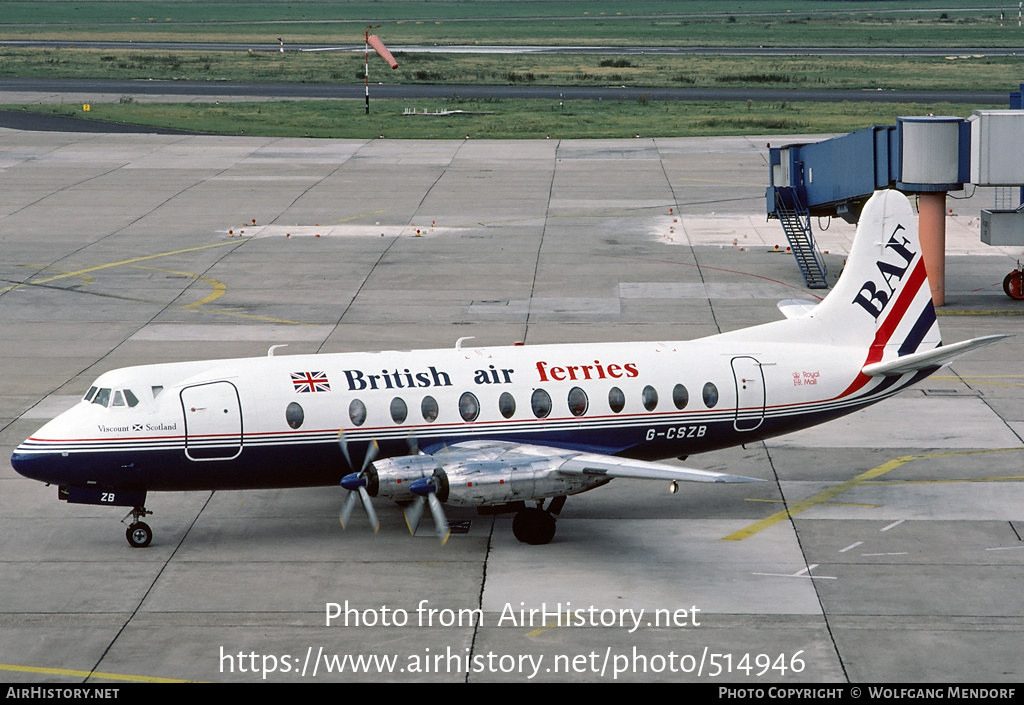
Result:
[926,156]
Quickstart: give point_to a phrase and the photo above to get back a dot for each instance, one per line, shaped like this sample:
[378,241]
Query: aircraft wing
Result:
[930,358]
[570,462]
[611,466]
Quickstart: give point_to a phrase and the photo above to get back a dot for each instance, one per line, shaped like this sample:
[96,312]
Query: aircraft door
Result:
[750,393]
[213,421]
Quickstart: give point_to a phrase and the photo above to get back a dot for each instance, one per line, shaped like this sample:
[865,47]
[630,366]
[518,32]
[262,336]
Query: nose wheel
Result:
[138,533]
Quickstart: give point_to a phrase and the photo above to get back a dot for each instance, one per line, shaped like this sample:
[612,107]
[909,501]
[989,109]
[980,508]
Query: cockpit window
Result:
[111,397]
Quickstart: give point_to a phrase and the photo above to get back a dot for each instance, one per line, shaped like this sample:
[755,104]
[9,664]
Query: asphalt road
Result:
[407,91]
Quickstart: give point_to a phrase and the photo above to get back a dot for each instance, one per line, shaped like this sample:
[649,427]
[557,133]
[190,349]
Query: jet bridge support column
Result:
[933,159]
[931,226]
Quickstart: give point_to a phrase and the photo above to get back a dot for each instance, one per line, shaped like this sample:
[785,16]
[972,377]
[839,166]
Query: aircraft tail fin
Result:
[883,299]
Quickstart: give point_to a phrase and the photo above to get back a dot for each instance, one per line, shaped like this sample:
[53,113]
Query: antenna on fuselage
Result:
[458,343]
[270,352]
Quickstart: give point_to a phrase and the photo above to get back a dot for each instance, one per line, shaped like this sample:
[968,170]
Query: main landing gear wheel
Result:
[139,534]
[1013,285]
[534,526]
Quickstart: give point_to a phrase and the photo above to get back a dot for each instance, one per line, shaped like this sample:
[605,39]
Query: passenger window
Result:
[357,412]
[680,397]
[578,401]
[428,407]
[710,394]
[507,405]
[399,410]
[650,398]
[616,399]
[541,403]
[469,406]
[294,415]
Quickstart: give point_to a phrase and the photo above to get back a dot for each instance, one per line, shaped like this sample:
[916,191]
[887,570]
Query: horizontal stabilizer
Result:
[930,358]
[610,466]
[796,308]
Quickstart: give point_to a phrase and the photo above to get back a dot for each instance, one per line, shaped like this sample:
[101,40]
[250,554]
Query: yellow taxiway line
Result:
[825,495]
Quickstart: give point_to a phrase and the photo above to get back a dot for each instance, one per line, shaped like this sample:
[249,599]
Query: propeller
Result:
[355,483]
[426,490]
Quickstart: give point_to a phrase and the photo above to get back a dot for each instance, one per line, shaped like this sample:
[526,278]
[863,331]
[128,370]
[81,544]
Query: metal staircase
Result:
[796,222]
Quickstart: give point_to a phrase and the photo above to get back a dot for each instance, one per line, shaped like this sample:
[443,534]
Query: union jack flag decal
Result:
[310,382]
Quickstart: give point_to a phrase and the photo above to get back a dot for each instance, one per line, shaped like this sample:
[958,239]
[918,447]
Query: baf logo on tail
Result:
[874,297]
[434,430]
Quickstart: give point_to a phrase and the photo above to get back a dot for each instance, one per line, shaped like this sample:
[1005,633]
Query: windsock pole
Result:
[372,40]
[366,59]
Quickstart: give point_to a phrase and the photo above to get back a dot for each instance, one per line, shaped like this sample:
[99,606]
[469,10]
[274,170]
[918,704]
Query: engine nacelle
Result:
[489,482]
[390,478]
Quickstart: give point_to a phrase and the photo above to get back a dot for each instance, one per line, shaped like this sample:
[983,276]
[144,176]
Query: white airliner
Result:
[508,428]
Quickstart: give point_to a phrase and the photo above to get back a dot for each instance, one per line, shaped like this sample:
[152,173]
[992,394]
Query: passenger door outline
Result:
[213,421]
[748,376]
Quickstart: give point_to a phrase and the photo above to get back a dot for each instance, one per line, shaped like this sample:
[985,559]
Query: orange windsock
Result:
[378,46]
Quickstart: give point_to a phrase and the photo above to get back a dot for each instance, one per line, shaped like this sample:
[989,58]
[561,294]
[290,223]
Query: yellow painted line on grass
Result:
[88,674]
[825,495]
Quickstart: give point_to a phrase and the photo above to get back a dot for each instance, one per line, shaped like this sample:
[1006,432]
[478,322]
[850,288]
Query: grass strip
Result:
[651,71]
[506,118]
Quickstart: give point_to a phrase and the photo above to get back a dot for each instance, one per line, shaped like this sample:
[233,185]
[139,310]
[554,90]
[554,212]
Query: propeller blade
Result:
[356,483]
[440,521]
[414,445]
[346,509]
[368,506]
[372,451]
[413,514]
[343,442]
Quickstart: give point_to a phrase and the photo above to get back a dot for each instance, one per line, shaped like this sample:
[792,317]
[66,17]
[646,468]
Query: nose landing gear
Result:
[138,533]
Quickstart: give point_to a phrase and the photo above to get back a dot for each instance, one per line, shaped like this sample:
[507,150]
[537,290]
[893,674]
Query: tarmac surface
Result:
[899,560]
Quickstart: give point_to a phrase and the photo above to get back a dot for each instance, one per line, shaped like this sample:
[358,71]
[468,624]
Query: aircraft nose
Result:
[35,465]
[29,465]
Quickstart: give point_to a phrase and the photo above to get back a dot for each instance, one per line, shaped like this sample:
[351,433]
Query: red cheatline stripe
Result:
[917,279]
